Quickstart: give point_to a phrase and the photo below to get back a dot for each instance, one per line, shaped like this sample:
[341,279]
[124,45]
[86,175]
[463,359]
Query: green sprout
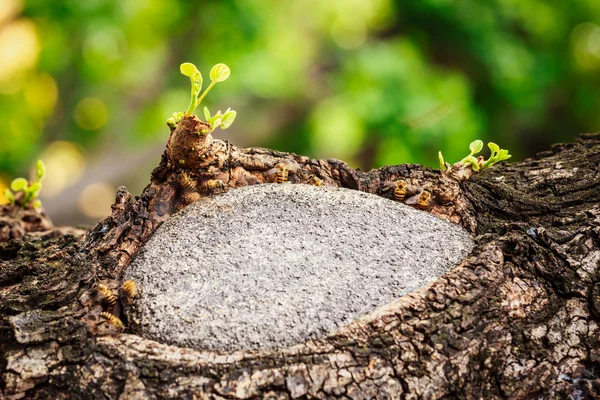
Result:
[22,193]
[218,73]
[497,155]
[442,162]
[475,148]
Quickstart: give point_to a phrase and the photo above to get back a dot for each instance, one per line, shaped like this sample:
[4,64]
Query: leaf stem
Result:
[192,106]
[212,83]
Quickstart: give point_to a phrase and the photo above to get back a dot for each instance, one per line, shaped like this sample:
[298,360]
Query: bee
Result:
[186,183]
[130,289]
[282,175]
[188,187]
[109,296]
[423,201]
[314,180]
[111,319]
[400,190]
[214,184]
[190,197]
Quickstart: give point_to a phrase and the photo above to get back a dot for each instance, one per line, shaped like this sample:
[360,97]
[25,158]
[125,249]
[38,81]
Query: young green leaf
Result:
[215,122]
[189,70]
[206,114]
[476,147]
[219,73]
[35,188]
[36,204]
[442,163]
[228,119]
[503,155]
[473,161]
[493,147]
[496,156]
[32,192]
[18,184]
[9,196]
[215,117]
[40,170]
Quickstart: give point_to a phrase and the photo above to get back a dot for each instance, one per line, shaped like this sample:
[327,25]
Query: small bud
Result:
[9,196]
[40,170]
[18,184]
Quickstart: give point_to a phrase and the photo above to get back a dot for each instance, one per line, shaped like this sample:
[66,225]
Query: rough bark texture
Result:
[15,222]
[517,319]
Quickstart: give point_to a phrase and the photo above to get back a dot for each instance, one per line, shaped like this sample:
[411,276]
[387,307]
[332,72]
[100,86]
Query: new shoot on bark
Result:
[218,73]
[478,163]
[24,194]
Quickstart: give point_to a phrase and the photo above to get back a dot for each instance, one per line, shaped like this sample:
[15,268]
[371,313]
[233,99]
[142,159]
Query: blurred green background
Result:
[88,85]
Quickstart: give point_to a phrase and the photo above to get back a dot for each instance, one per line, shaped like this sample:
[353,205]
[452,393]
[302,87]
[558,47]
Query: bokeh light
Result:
[19,48]
[9,9]
[336,130]
[104,45]
[3,185]
[41,94]
[91,113]
[348,34]
[585,40]
[65,164]
[95,200]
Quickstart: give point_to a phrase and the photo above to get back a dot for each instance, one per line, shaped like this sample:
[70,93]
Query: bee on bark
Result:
[215,184]
[190,197]
[187,184]
[420,201]
[189,194]
[109,296]
[282,175]
[111,319]
[400,190]
[314,180]
[423,201]
[130,289]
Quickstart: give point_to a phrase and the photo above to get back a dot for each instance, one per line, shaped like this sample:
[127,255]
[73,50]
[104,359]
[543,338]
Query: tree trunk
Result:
[517,319]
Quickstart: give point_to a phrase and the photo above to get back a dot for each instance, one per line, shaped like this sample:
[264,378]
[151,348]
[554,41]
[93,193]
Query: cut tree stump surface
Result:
[272,265]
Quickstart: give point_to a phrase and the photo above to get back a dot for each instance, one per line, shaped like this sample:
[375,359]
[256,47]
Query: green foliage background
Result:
[371,82]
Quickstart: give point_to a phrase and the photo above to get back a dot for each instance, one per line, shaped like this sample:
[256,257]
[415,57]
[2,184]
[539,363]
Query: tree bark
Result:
[517,319]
